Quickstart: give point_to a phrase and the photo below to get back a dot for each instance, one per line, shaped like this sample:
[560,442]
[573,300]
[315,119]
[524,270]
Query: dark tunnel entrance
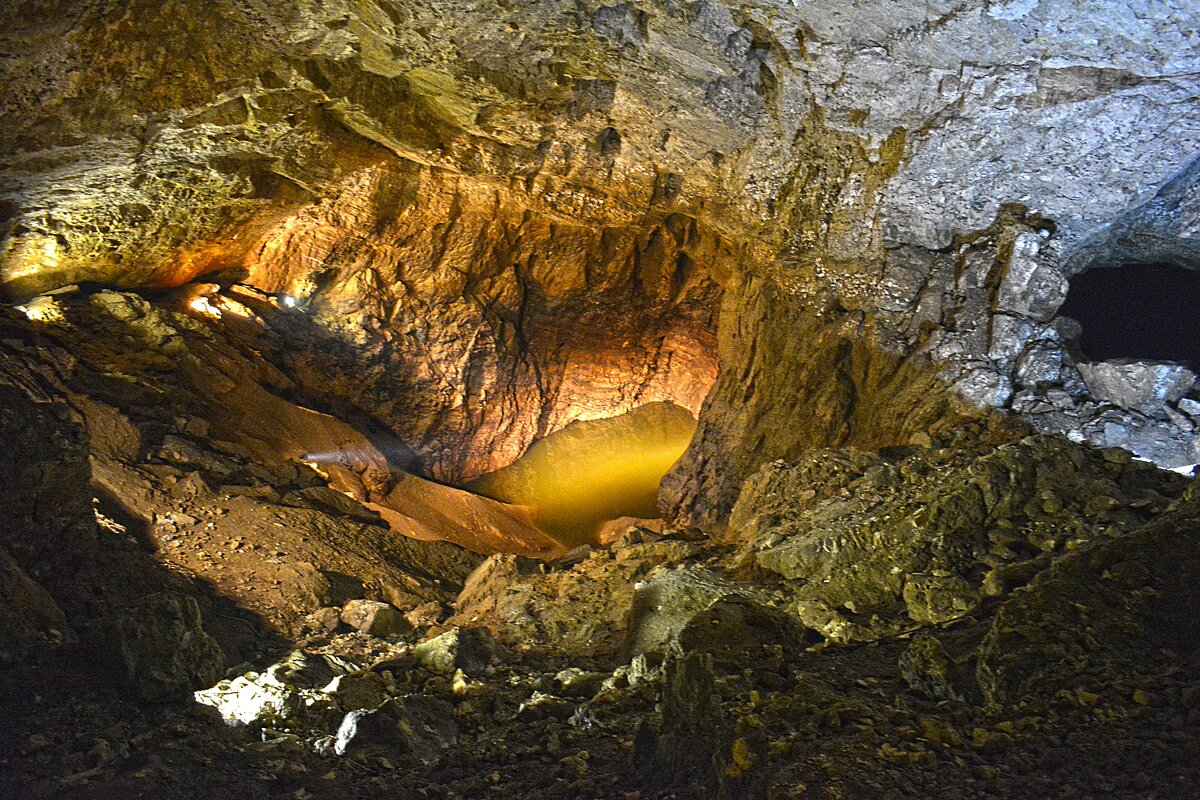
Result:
[1138,311]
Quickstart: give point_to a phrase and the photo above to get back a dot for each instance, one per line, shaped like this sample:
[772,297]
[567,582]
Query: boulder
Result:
[30,620]
[576,682]
[164,648]
[540,705]
[738,632]
[933,599]
[578,610]
[666,602]
[1144,386]
[468,649]
[684,749]
[1113,611]
[304,692]
[374,618]
[927,669]
[417,726]
[925,539]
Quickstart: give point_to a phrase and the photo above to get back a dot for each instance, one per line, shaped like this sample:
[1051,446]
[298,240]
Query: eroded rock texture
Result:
[522,214]
[285,275]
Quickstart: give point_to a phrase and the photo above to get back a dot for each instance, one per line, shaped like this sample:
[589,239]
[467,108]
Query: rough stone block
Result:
[374,618]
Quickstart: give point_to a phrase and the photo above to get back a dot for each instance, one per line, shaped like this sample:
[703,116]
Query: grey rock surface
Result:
[416,726]
[939,168]
[666,602]
[1137,385]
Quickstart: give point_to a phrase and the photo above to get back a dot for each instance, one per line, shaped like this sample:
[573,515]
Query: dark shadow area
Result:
[90,572]
[1142,311]
[242,633]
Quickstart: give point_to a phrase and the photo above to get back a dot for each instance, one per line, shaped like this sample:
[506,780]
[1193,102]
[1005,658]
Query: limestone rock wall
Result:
[517,214]
[471,323]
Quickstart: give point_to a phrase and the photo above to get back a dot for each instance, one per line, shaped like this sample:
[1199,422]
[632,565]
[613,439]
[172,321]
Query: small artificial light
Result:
[287,300]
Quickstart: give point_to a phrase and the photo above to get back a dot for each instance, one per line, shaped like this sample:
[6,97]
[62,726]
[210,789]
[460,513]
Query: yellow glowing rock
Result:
[594,471]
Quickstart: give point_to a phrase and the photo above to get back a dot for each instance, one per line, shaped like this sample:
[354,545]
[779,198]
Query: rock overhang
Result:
[867,162]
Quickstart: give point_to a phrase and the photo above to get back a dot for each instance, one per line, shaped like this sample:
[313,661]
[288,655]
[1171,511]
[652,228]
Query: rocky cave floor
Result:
[990,616]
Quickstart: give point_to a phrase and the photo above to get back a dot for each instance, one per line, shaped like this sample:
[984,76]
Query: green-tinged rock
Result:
[737,631]
[466,649]
[927,538]
[1100,610]
[684,750]
[927,669]
[938,731]
[164,648]
[932,599]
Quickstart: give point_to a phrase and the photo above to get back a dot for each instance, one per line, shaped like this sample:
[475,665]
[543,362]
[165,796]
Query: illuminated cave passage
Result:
[1137,311]
[573,400]
[594,471]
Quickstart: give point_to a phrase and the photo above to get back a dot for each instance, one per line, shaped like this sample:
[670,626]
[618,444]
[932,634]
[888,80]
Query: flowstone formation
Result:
[345,345]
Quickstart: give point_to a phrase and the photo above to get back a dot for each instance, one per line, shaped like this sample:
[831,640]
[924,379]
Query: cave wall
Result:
[477,323]
[494,209]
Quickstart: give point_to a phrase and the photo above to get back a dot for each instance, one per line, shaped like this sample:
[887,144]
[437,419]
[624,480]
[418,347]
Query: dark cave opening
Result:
[1139,311]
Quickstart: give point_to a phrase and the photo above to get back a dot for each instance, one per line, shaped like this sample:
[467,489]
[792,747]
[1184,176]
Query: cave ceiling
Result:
[516,215]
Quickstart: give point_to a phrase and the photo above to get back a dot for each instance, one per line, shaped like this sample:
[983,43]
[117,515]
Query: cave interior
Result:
[615,399]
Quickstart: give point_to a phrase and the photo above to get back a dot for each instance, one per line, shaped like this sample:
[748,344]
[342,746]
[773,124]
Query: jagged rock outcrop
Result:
[31,620]
[929,539]
[1120,609]
[183,474]
[163,647]
[519,215]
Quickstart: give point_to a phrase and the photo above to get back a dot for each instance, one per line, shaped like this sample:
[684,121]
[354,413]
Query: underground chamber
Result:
[542,399]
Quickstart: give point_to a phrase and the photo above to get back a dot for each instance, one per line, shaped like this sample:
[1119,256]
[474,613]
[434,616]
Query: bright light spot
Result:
[29,255]
[342,456]
[315,466]
[1187,470]
[42,309]
[287,300]
[202,305]
[594,471]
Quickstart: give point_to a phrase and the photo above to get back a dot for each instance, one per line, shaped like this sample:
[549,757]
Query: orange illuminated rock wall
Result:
[473,317]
